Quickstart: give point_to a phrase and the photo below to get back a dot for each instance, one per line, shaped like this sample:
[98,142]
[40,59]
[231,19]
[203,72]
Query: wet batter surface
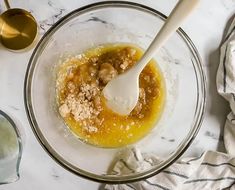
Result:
[80,80]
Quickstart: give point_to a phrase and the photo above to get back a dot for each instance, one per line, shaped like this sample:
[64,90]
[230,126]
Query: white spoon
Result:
[122,92]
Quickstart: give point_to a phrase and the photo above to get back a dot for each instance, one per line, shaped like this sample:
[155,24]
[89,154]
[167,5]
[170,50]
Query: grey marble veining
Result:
[38,170]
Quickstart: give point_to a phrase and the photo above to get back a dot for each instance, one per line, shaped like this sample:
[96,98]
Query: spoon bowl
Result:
[18,28]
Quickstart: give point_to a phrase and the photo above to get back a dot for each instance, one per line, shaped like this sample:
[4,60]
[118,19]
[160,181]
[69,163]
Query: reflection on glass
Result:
[10,150]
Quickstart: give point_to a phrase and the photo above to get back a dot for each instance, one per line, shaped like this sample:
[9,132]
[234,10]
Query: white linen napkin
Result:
[226,85]
[210,171]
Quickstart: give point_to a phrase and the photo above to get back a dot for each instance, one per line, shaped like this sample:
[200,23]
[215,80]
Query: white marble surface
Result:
[38,170]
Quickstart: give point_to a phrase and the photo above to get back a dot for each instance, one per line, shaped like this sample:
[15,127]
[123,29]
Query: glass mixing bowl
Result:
[110,22]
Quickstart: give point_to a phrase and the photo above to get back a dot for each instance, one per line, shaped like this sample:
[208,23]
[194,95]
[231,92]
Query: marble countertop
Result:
[38,170]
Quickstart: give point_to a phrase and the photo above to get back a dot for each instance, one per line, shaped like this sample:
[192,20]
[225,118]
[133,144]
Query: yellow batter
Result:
[91,71]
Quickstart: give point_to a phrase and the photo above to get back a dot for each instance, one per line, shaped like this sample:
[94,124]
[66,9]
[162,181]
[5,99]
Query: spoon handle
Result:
[181,11]
[7,4]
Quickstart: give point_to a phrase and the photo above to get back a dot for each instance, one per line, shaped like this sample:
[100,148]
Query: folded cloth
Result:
[210,171]
[226,85]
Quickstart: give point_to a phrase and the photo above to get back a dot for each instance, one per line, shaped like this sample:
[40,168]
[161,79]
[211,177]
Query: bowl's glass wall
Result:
[109,25]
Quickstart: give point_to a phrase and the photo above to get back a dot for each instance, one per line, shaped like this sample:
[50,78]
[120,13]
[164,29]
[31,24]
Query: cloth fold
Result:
[226,85]
[212,170]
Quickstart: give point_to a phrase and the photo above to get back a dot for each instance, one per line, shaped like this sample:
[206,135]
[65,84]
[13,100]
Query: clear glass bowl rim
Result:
[198,118]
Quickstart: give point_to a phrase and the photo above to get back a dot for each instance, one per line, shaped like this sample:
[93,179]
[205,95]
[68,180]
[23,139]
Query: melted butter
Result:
[117,130]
